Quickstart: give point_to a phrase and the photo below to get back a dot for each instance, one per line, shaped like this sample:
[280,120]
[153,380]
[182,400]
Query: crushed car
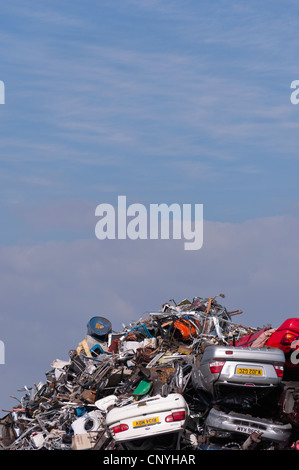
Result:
[146,422]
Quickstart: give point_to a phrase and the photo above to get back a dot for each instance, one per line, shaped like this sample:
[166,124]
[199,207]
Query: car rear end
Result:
[223,366]
[155,416]
[236,426]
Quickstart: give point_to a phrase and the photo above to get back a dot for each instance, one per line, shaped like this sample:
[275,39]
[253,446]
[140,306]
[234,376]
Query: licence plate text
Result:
[246,429]
[248,371]
[146,422]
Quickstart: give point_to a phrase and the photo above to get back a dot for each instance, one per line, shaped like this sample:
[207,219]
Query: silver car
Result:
[231,425]
[227,366]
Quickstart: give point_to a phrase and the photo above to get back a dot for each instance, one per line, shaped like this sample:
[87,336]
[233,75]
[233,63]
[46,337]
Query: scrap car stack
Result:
[186,377]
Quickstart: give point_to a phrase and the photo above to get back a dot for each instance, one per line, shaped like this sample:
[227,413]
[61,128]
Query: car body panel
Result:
[290,345]
[147,417]
[243,367]
[225,425]
[278,339]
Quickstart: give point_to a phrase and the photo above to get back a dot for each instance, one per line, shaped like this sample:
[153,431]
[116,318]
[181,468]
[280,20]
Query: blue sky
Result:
[161,101]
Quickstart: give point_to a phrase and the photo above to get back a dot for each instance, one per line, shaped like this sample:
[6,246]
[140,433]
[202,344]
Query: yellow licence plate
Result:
[145,422]
[245,371]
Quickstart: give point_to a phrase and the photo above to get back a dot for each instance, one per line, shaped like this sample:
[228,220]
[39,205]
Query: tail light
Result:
[279,371]
[120,428]
[175,416]
[288,339]
[216,366]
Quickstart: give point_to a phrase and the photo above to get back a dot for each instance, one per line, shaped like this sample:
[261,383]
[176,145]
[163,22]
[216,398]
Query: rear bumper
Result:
[148,418]
[219,424]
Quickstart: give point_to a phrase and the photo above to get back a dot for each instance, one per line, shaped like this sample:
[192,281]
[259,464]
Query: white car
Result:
[154,416]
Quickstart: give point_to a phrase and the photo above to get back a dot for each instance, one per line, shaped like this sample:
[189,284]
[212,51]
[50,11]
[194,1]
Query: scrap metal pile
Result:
[175,379]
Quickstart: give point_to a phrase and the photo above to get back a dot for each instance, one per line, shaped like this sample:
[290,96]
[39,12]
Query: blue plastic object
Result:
[80,411]
[99,326]
[141,327]
[97,349]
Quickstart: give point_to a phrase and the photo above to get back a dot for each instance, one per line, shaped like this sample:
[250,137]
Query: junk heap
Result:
[185,377]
